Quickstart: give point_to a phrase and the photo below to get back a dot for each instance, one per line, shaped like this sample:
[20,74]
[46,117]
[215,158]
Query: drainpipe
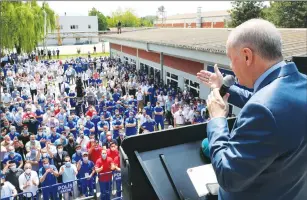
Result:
[162,66]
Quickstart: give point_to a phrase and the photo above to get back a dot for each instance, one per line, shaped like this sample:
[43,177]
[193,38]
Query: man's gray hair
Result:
[261,36]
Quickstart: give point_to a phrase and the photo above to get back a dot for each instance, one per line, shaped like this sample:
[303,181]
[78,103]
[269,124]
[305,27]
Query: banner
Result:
[117,176]
[65,187]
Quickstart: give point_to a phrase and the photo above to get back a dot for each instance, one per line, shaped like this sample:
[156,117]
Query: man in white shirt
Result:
[28,181]
[7,189]
[32,142]
[33,89]
[6,98]
[161,99]
[83,141]
[179,118]
[142,118]
[140,99]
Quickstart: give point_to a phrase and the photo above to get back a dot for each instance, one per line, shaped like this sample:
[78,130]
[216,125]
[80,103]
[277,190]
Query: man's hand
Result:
[211,80]
[217,106]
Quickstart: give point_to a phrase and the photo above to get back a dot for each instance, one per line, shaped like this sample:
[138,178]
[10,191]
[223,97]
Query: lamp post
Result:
[45,30]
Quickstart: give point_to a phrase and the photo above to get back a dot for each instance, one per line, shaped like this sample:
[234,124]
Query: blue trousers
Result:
[87,187]
[161,122]
[118,187]
[50,192]
[115,134]
[105,190]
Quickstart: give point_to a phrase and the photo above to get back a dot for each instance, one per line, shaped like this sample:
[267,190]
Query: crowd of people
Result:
[62,121]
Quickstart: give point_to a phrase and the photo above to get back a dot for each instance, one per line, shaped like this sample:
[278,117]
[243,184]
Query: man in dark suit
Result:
[264,155]
[58,159]
[70,148]
[120,138]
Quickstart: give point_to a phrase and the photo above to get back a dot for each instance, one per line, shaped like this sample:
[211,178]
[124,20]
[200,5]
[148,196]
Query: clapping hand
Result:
[217,105]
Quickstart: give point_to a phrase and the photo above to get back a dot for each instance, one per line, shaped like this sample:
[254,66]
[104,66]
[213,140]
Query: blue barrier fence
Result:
[71,190]
[20,196]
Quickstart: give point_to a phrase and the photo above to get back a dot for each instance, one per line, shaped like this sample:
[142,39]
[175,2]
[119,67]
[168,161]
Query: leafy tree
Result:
[128,18]
[102,20]
[148,21]
[244,10]
[22,24]
[287,14]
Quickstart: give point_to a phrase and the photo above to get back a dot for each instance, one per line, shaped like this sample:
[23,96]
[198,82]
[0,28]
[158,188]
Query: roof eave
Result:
[215,51]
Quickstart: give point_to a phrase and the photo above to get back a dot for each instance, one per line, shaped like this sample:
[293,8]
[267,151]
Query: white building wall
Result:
[71,26]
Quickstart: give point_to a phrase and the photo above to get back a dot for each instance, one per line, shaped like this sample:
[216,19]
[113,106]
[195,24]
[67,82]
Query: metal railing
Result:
[71,190]
[20,196]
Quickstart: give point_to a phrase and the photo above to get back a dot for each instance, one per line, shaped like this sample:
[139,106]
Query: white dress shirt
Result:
[33,86]
[179,117]
[24,178]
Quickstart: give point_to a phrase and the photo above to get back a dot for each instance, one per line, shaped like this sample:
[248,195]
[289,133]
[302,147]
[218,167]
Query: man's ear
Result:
[248,54]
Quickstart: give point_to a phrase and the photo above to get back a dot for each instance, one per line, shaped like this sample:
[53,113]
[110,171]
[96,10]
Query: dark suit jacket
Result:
[70,149]
[264,155]
[58,162]
[119,141]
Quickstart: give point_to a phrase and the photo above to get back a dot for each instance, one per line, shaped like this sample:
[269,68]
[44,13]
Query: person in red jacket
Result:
[90,111]
[28,115]
[94,152]
[104,166]
[112,152]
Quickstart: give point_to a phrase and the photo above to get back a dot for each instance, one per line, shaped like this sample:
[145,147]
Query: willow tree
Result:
[22,24]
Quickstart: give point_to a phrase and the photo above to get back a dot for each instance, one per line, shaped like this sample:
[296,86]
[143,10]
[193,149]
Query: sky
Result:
[141,8]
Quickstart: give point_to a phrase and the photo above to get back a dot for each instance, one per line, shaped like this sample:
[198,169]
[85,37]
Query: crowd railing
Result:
[73,189]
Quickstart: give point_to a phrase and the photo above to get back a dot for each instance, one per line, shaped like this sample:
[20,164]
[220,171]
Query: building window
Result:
[172,79]
[142,66]
[126,60]
[89,26]
[192,87]
[74,27]
[132,61]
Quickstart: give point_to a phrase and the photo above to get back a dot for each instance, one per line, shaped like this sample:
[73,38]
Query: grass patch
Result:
[78,55]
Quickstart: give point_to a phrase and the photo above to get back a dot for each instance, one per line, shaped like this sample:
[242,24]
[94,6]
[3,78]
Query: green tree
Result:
[22,25]
[102,20]
[287,14]
[148,21]
[244,10]
[128,18]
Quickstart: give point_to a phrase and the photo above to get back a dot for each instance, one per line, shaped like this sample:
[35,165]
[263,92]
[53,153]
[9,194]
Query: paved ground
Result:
[72,49]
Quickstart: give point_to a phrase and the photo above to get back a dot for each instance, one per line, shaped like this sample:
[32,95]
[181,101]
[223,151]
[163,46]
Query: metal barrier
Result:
[87,187]
[20,196]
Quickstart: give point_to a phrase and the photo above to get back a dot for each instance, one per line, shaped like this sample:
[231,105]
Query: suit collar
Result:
[286,70]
